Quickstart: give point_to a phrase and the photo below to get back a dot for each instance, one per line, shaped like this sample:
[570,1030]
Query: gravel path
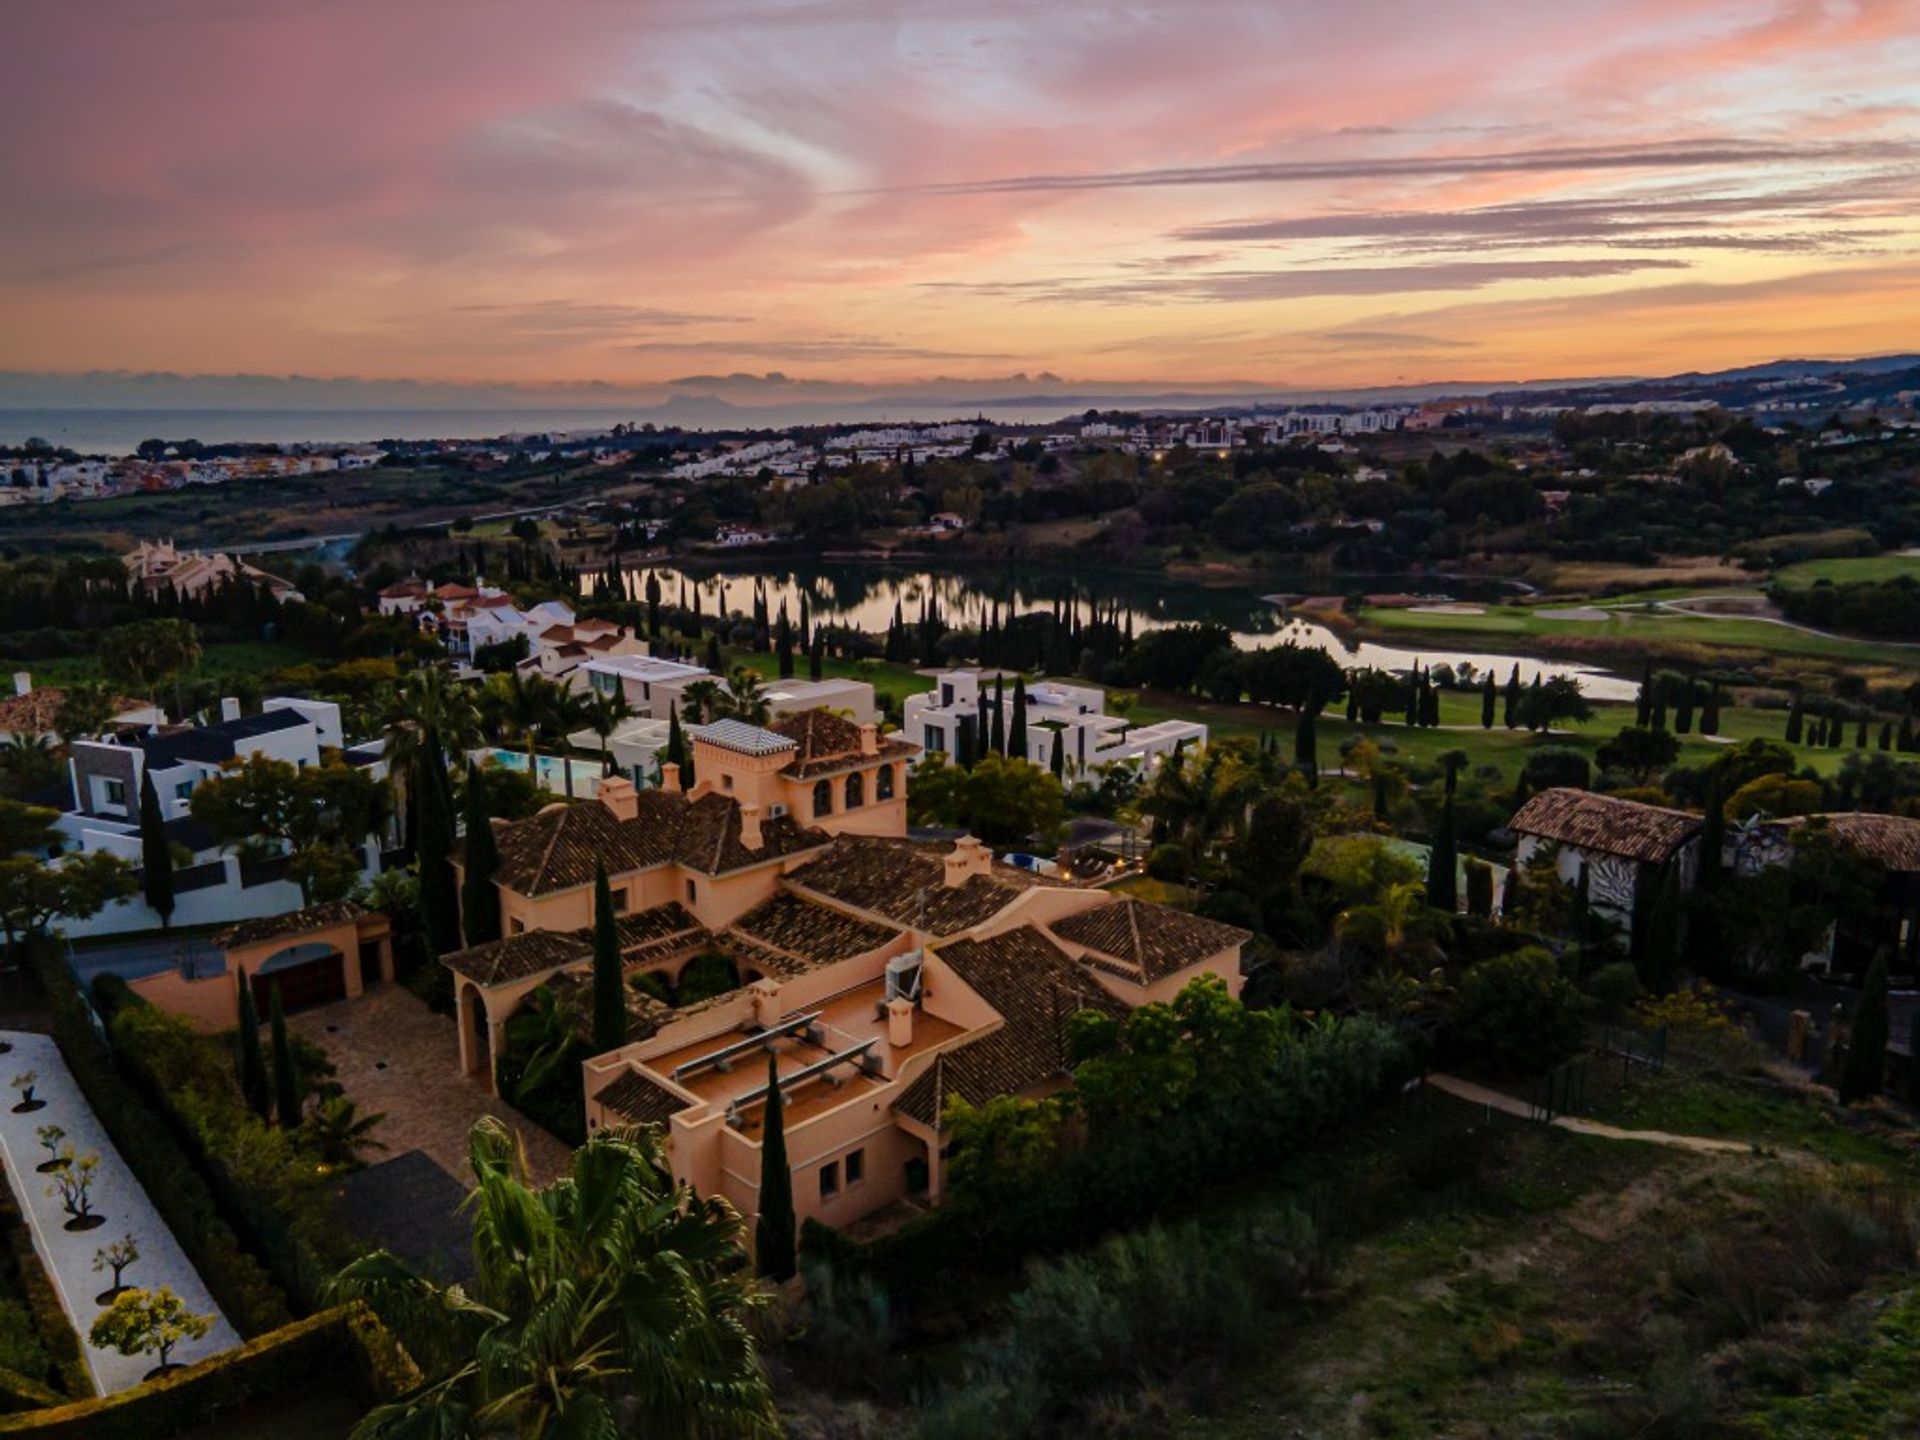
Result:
[116,1194]
[1480,1095]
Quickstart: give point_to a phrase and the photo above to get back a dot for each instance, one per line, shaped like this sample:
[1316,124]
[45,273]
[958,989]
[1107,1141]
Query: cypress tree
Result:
[1413,697]
[1486,702]
[1906,741]
[774,1235]
[1643,705]
[783,645]
[1535,714]
[1710,712]
[1836,732]
[609,1004]
[1443,886]
[1860,738]
[1479,888]
[1865,1071]
[1713,837]
[963,747]
[1353,703]
[156,855]
[1057,760]
[1683,709]
[1306,745]
[1796,724]
[286,1076]
[479,901]
[1510,893]
[1017,728]
[816,659]
[253,1066]
[1659,706]
[1511,717]
[439,899]
[716,662]
[1429,703]
[1582,920]
[1886,735]
[997,740]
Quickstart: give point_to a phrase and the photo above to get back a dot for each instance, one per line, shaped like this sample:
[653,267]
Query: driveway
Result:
[396,1057]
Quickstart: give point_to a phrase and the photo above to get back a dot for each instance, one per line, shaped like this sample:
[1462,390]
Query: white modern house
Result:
[652,686]
[214,886]
[1089,736]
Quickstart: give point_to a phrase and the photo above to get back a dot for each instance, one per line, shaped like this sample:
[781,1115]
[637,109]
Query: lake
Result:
[864,595]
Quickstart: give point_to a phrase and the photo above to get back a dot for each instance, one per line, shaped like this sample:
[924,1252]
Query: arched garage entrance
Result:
[308,974]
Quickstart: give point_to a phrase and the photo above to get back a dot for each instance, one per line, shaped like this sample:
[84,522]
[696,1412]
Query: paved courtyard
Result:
[395,1056]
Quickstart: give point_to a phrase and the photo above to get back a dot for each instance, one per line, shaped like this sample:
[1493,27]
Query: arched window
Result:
[883,783]
[856,790]
[823,798]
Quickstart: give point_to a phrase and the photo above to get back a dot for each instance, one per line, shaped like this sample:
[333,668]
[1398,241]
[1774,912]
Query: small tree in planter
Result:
[115,1257]
[24,1083]
[73,1183]
[50,1137]
[148,1322]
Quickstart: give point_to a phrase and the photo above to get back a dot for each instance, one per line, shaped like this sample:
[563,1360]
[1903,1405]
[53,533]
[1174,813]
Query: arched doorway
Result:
[478,1034]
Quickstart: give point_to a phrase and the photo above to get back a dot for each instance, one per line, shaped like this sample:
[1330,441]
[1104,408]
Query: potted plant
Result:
[50,1137]
[73,1183]
[24,1083]
[141,1322]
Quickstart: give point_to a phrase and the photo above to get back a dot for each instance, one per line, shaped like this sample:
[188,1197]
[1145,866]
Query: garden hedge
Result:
[345,1342]
[238,1283]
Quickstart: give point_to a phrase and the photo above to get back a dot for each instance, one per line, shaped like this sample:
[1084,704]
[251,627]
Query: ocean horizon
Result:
[118,431]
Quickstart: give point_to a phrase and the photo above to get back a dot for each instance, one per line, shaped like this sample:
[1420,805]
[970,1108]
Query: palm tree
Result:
[429,709]
[29,762]
[529,706]
[612,1301]
[337,1131]
[603,712]
[703,701]
[1199,800]
[84,710]
[745,700]
[1395,924]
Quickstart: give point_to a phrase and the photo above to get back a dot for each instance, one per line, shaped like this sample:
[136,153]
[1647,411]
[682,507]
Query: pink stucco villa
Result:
[883,976]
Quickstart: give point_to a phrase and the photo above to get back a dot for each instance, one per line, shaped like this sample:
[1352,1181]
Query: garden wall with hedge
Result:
[346,1343]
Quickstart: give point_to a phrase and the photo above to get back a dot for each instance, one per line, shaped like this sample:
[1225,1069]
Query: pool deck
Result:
[116,1194]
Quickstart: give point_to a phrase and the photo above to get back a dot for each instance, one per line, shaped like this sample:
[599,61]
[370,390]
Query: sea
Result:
[95,431]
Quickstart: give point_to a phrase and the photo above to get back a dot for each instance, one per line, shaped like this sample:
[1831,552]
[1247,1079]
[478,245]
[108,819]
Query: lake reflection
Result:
[865,596]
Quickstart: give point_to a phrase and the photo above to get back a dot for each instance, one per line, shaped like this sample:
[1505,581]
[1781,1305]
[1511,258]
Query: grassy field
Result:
[1629,628]
[1539,1283]
[1846,571]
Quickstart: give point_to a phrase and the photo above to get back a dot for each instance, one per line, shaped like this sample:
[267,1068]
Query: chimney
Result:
[750,825]
[670,777]
[229,707]
[766,1003]
[967,859]
[616,792]
[869,739]
[22,683]
[899,1022]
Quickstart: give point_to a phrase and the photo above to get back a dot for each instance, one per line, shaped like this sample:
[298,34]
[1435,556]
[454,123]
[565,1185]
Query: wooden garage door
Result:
[319,981]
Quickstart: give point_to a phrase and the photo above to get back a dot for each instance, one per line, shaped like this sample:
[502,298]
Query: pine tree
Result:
[156,853]
[1487,697]
[1443,861]
[479,901]
[1057,758]
[609,1003]
[286,1076]
[1017,729]
[253,1066]
[439,897]
[1865,1072]
[774,1237]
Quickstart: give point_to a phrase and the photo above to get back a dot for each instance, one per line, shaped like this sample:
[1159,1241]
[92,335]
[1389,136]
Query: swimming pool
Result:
[586,773]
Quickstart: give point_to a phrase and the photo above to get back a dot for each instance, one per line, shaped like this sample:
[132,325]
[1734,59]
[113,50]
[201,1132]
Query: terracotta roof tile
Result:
[645,936]
[888,878]
[809,931]
[1153,940]
[1889,840]
[1611,826]
[640,1100]
[1036,988]
[297,922]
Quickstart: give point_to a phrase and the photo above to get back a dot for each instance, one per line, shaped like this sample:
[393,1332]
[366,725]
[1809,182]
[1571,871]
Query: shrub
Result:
[1615,988]
[20,1347]
[1167,862]
[1519,1012]
[59,1342]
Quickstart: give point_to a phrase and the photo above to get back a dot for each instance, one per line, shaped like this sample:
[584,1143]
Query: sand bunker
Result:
[1575,612]
[1446,609]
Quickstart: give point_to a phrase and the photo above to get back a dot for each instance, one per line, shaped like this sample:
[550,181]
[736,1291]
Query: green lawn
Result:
[1630,627]
[1846,571]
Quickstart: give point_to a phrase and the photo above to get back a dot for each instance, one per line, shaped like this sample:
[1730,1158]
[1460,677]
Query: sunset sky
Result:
[888,191]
